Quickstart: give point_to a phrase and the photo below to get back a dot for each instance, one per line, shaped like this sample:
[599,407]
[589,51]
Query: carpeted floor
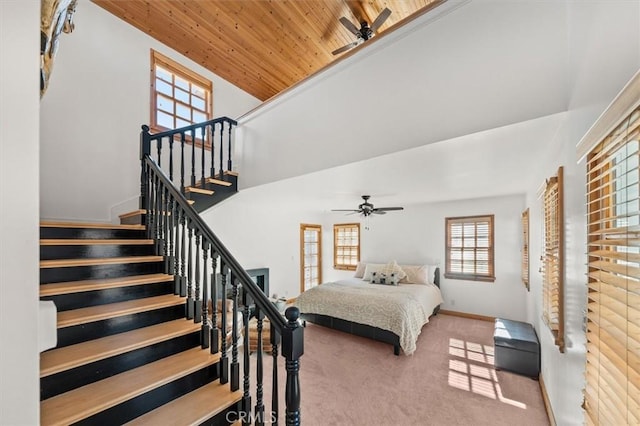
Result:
[449,380]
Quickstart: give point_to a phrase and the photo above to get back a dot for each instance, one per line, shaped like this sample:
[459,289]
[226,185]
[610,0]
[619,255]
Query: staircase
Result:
[137,340]
[124,345]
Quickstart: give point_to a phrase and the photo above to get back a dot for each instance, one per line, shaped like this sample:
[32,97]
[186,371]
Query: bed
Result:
[393,314]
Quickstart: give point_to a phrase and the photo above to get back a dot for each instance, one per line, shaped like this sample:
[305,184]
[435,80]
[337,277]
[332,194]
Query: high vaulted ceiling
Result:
[262,47]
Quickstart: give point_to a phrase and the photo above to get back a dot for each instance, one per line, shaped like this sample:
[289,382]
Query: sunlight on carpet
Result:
[472,377]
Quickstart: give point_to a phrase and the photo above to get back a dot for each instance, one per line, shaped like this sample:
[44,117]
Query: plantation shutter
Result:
[469,251]
[525,248]
[553,259]
[612,393]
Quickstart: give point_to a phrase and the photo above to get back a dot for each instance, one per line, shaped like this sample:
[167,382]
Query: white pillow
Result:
[416,274]
[392,267]
[370,269]
[360,270]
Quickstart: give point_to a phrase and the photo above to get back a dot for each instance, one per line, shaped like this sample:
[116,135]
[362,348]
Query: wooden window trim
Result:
[340,266]
[304,227]
[553,258]
[613,297]
[186,74]
[449,273]
[525,249]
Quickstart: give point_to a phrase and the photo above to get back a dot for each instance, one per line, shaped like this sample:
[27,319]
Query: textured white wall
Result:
[90,119]
[19,237]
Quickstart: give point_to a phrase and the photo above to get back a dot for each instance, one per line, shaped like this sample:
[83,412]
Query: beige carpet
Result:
[449,380]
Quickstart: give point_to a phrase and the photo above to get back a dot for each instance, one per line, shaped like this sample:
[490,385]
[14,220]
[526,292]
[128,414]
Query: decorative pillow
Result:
[360,270]
[416,274]
[393,268]
[382,278]
[370,269]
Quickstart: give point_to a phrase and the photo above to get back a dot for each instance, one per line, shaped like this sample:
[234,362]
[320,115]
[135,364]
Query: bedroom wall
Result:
[417,234]
[90,119]
[604,40]
[19,236]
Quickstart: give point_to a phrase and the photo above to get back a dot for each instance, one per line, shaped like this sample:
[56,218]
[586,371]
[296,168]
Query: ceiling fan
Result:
[367,209]
[365,32]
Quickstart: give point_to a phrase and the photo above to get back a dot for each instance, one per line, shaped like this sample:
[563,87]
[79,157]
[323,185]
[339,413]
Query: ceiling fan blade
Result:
[376,211]
[345,210]
[384,15]
[388,209]
[350,26]
[345,48]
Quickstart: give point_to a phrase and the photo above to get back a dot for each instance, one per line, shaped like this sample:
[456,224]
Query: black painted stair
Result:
[124,347]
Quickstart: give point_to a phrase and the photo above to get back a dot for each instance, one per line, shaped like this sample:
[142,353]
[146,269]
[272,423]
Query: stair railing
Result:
[195,150]
[204,268]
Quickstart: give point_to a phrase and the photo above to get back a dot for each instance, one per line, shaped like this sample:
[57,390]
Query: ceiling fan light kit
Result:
[365,32]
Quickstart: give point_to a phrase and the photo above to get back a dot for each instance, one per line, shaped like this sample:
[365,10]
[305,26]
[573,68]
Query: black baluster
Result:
[152,207]
[215,342]
[189,305]
[167,231]
[159,149]
[246,385]
[292,350]
[183,278]
[259,371]
[213,160]
[221,168]
[235,365]
[274,379]
[182,162]
[172,229]
[197,303]
[171,158]
[229,149]
[203,156]
[204,330]
[193,157]
[145,150]
[224,360]
[158,218]
[176,272]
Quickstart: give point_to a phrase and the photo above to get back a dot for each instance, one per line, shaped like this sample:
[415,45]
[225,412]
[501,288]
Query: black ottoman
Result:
[516,348]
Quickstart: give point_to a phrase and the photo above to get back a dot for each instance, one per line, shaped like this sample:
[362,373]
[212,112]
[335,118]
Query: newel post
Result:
[145,150]
[292,350]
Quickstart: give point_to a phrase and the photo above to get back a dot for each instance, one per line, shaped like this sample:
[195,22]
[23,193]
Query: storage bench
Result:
[516,348]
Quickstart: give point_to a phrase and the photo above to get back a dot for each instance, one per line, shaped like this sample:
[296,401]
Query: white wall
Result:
[97,100]
[487,64]
[19,238]
[604,53]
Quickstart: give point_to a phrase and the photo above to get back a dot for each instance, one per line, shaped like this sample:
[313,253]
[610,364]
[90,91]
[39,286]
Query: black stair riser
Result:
[94,330]
[144,403]
[227,416]
[70,379]
[77,273]
[203,201]
[65,302]
[95,251]
[91,233]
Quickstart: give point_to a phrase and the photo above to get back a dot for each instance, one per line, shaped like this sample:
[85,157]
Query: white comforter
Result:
[401,309]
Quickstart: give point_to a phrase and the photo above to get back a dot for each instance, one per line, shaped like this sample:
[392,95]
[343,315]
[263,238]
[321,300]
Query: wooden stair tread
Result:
[218,182]
[101,284]
[194,408]
[132,213]
[199,190]
[92,225]
[68,357]
[83,402]
[93,242]
[113,310]
[64,263]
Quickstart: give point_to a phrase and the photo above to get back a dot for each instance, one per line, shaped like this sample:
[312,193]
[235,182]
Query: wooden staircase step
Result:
[195,407]
[132,214]
[103,284]
[199,190]
[92,225]
[83,402]
[96,242]
[113,310]
[68,263]
[66,358]
[219,182]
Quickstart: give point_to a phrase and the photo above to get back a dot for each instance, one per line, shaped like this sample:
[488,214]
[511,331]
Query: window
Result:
[469,250]
[179,97]
[525,248]
[346,246]
[310,256]
[613,304]
[553,258]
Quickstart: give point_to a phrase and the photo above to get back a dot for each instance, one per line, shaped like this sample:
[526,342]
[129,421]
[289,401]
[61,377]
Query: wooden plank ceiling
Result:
[261,46]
